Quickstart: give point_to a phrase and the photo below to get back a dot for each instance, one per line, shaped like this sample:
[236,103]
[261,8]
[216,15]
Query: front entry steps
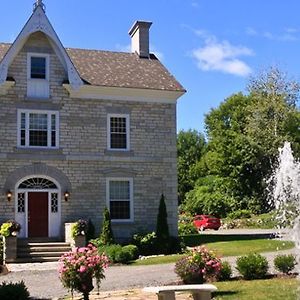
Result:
[40,250]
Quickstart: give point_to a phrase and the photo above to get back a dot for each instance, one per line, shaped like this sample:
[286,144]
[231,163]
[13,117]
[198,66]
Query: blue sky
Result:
[210,46]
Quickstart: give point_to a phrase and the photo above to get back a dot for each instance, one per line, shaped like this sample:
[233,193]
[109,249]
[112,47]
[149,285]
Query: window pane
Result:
[119,190]
[118,138]
[38,134]
[120,210]
[38,67]
[21,202]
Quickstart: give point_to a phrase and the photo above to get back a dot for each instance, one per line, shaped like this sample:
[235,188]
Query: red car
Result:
[202,222]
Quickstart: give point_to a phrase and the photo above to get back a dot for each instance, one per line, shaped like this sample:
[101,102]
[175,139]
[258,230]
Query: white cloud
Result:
[221,56]
[287,35]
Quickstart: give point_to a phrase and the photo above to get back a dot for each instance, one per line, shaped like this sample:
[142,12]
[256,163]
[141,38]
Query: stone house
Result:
[85,129]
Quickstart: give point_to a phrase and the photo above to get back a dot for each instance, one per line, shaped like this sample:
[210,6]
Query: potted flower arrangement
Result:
[10,228]
[200,266]
[78,232]
[9,231]
[78,268]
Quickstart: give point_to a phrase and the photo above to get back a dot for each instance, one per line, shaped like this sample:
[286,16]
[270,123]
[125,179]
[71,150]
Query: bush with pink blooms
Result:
[200,266]
[77,269]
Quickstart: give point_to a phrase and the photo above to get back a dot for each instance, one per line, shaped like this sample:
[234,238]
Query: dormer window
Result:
[38,67]
[38,75]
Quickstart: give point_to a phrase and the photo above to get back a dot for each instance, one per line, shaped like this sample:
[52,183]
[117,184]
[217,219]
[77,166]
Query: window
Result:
[119,194]
[38,67]
[38,75]
[38,129]
[118,132]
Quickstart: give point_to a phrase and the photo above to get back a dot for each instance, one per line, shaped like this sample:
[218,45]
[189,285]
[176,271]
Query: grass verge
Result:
[233,248]
[275,289]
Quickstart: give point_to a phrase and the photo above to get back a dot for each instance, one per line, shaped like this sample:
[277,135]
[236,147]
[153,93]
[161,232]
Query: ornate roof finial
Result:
[39,3]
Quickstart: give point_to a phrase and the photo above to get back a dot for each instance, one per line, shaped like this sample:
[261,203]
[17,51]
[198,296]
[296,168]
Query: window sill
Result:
[122,221]
[118,152]
[37,153]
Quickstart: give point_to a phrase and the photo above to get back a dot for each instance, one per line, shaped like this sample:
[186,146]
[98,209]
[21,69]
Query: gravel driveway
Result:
[43,283]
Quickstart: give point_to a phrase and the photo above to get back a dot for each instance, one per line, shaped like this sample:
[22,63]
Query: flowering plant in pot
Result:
[78,267]
[199,266]
[10,228]
[79,228]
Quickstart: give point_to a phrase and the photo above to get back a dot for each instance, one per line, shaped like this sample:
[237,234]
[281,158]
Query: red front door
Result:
[38,214]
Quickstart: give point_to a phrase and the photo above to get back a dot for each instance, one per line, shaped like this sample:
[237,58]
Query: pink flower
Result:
[82,269]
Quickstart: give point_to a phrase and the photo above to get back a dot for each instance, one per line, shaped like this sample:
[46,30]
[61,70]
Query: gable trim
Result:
[39,22]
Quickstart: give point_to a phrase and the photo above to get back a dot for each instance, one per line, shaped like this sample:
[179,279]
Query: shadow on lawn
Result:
[224,293]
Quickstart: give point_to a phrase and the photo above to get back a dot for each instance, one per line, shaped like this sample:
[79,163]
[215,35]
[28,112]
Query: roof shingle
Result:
[118,69]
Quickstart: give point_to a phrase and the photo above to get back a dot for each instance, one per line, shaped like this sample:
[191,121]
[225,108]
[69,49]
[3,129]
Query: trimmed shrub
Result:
[111,251]
[285,263]
[146,243]
[198,267]
[225,271]
[252,266]
[17,291]
[127,254]
[162,228]
[106,236]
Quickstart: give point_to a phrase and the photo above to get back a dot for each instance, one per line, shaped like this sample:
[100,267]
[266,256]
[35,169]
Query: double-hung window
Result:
[118,132]
[120,199]
[38,75]
[38,129]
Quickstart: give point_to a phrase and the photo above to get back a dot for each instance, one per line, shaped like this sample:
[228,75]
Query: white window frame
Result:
[126,116]
[29,56]
[49,129]
[131,211]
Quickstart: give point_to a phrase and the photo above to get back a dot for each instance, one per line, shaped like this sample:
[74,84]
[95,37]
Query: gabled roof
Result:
[118,69]
[38,22]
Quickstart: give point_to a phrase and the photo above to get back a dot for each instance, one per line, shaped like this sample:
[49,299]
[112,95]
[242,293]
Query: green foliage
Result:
[106,236]
[239,214]
[127,254]
[225,271]
[10,228]
[252,266]
[210,196]
[285,263]
[263,221]
[190,148]
[79,228]
[185,224]
[90,233]
[199,266]
[17,291]
[146,243]
[118,254]
[162,227]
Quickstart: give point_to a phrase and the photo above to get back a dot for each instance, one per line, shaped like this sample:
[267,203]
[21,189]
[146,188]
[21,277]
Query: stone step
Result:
[40,254]
[37,259]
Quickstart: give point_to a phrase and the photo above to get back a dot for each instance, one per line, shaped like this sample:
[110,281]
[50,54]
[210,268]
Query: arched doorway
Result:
[38,206]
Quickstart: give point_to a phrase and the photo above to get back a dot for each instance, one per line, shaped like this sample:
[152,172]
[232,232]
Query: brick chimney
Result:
[139,33]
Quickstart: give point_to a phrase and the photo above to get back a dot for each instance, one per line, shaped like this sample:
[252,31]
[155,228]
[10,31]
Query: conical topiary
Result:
[162,227]
[106,236]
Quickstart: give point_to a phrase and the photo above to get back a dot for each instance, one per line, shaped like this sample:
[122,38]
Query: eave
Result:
[124,94]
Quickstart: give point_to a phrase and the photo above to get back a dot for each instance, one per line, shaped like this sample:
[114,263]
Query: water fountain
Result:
[284,188]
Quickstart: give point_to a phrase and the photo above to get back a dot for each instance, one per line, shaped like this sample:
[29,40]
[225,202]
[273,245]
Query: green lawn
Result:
[273,289]
[233,248]
[237,248]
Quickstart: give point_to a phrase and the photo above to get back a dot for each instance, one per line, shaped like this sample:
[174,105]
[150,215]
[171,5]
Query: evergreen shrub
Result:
[17,291]
[285,263]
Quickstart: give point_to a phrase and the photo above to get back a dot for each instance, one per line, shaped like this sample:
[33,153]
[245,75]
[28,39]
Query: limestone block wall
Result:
[83,157]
